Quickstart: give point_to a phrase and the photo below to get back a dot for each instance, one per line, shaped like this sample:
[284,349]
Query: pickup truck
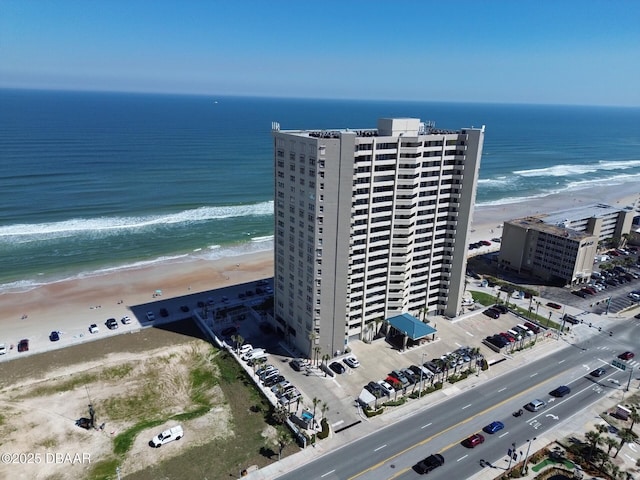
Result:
[174,433]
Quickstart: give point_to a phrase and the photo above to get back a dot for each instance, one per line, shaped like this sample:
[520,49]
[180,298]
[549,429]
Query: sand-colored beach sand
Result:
[70,306]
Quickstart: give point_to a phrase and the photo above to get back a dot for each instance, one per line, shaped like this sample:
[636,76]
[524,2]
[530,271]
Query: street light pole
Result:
[526,457]
[421,375]
[512,451]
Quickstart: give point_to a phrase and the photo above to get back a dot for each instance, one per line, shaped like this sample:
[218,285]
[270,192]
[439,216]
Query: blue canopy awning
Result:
[411,326]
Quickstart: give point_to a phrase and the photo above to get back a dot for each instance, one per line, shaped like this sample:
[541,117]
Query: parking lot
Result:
[377,360]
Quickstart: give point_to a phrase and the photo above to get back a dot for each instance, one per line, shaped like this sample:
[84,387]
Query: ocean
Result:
[94,182]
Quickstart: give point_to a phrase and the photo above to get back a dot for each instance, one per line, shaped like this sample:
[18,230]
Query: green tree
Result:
[239,340]
[313,336]
[316,351]
[625,437]
[283,440]
[279,415]
[594,438]
[610,443]
[316,401]
[634,416]
[324,408]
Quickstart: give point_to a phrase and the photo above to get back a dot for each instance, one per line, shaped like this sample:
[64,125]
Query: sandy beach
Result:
[71,306]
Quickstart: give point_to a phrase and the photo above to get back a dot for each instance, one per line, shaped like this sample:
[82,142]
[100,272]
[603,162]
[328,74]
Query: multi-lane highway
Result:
[392,451]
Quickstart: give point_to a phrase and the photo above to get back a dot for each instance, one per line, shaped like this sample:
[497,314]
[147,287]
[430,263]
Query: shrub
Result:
[325,429]
[369,412]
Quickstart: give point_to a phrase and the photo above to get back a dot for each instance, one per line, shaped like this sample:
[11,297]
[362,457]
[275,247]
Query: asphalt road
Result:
[391,452]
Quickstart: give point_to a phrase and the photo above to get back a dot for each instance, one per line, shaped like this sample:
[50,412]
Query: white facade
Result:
[369,224]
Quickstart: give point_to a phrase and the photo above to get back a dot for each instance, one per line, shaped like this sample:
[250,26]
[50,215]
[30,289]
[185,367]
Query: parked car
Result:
[111,324]
[3,349]
[93,328]
[398,375]
[430,463]
[337,367]
[491,313]
[598,372]
[501,308]
[535,405]
[474,440]
[533,327]
[351,361]
[554,305]
[126,320]
[164,312]
[494,427]
[174,433]
[560,392]
[23,345]
[184,308]
[150,316]
[626,355]
[386,388]
[54,336]
[374,389]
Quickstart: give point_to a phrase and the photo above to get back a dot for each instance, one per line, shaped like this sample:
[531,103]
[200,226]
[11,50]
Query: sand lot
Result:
[127,378]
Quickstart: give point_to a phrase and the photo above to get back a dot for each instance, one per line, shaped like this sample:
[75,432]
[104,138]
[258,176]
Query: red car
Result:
[626,355]
[554,305]
[474,440]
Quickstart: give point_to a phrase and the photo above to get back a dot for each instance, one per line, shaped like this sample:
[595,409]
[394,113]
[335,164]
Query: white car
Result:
[150,316]
[3,349]
[351,361]
[174,433]
[125,320]
[246,348]
[93,328]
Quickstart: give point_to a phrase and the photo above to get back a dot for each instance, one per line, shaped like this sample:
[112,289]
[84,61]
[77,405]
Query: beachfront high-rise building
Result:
[370,223]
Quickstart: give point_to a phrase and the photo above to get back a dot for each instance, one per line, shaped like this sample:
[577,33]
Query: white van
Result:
[256,352]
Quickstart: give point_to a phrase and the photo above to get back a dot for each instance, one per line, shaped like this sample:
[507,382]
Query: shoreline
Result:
[71,305]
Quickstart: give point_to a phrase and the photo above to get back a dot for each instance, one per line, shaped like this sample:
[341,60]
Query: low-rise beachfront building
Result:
[551,252]
[603,221]
[369,223]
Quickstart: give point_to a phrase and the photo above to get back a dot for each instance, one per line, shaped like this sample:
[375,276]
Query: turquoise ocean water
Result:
[92,182]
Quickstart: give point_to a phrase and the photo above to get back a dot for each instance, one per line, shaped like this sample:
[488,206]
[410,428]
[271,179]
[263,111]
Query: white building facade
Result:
[369,224]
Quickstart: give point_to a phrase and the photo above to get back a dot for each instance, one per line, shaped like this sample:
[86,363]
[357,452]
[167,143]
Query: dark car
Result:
[534,328]
[598,372]
[580,293]
[23,345]
[337,367]
[111,324]
[184,308]
[374,389]
[227,332]
[560,392]
[164,312]
[270,382]
[473,441]
[494,427]
[626,356]
[430,463]
[492,313]
[501,308]
[554,305]
[54,336]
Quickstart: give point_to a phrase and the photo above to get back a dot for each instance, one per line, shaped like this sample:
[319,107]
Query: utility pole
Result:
[421,375]
[526,457]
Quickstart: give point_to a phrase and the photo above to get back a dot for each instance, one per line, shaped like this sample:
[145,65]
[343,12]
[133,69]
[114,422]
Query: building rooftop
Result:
[386,127]
[540,224]
[580,213]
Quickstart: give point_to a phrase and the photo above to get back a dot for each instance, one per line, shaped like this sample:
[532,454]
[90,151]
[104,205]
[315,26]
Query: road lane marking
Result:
[462,458]
[466,406]
[469,333]
[562,361]
[533,375]
[505,433]
[380,448]
[427,425]
[502,389]
[328,473]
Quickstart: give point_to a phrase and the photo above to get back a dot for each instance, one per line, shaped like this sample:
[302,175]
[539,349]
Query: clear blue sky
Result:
[519,51]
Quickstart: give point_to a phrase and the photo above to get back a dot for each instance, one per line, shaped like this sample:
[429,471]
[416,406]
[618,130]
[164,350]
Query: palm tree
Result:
[625,437]
[315,402]
[594,438]
[610,442]
[324,408]
[634,416]
[316,351]
[239,340]
[312,340]
[283,440]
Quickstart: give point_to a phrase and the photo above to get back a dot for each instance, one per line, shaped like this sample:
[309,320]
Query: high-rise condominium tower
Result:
[369,224]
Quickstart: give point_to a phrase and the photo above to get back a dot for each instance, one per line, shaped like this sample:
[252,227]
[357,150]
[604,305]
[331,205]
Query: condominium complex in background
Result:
[370,223]
[560,247]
